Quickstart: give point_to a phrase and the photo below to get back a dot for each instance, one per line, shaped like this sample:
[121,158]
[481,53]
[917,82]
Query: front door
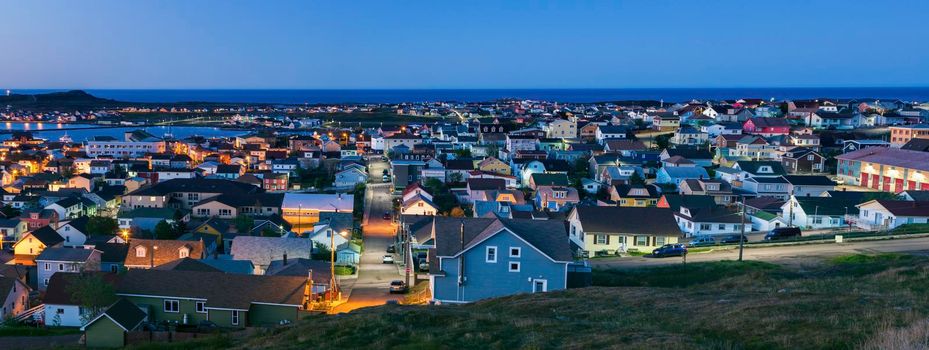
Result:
[539,286]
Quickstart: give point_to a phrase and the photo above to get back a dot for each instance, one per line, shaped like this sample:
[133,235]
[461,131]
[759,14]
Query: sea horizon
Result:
[567,95]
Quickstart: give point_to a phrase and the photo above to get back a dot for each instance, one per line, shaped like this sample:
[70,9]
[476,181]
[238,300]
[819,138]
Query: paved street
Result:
[371,286]
[791,254]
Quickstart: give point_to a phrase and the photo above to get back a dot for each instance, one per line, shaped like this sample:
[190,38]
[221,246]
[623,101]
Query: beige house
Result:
[617,230]
[494,165]
[561,128]
[33,243]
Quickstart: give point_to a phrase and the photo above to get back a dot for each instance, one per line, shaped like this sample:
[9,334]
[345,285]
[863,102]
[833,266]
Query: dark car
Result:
[669,250]
[397,286]
[386,215]
[732,239]
[783,233]
[391,249]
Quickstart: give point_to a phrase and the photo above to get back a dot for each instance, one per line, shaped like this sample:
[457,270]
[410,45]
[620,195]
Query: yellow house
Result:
[634,195]
[617,230]
[33,243]
[494,165]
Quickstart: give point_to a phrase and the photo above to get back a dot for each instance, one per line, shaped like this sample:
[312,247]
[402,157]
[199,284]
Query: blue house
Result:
[494,258]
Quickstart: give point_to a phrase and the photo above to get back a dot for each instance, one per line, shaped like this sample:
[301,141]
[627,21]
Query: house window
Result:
[660,240]
[61,267]
[235,317]
[183,253]
[601,239]
[45,282]
[722,226]
[705,227]
[140,252]
[817,219]
[48,267]
[113,268]
[201,307]
[491,255]
[514,266]
[515,252]
[172,306]
[641,240]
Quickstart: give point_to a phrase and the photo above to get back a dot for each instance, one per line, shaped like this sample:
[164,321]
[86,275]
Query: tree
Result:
[10,212]
[163,230]
[101,225]
[244,223]
[92,293]
[180,226]
[457,212]
[635,179]
[463,153]
[321,251]
[663,141]
[455,177]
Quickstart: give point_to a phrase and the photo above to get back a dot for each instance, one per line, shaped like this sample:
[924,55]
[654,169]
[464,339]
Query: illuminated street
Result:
[371,286]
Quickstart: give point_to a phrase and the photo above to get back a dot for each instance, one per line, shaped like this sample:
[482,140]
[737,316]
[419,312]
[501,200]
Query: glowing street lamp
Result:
[332,285]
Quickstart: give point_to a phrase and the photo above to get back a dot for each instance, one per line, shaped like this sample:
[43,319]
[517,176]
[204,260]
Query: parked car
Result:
[732,239]
[388,259]
[783,233]
[386,215]
[397,286]
[702,240]
[423,265]
[391,248]
[385,178]
[676,249]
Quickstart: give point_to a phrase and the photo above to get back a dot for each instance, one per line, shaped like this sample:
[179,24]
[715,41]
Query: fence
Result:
[143,337]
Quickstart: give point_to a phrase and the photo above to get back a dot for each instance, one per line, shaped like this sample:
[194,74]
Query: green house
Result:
[228,300]
[109,329]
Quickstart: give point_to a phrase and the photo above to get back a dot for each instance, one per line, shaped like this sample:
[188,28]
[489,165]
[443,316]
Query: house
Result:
[548,179]
[711,221]
[333,228]
[901,134]
[766,127]
[60,259]
[12,229]
[818,212]
[415,200]
[805,140]
[148,253]
[884,214]
[110,329]
[673,176]
[33,243]
[494,165]
[634,195]
[803,160]
[809,185]
[14,297]
[623,147]
[689,136]
[262,250]
[699,155]
[555,198]
[227,300]
[146,218]
[74,231]
[609,132]
[507,256]
[616,230]
[561,128]
[476,188]
[349,178]
[854,145]
[67,208]
[318,270]
[112,256]
[720,190]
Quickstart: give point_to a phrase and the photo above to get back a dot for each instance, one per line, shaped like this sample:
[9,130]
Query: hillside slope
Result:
[848,302]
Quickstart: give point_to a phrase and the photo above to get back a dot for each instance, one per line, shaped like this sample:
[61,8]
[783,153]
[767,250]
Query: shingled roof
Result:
[221,290]
[627,220]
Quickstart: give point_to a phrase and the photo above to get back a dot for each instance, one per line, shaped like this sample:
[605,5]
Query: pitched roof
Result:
[906,208]
[320,201]
[262,250]
[48,236]
[551,239]
[167,251]
[627,220]
[831,206]
[187,264]
[479,184]
[221,290]
[124,313]
[752,167]
[66,254]
[550,179]
[890,156]
[809,180]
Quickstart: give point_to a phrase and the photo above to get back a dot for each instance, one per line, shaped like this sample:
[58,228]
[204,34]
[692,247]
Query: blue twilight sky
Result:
[462,44]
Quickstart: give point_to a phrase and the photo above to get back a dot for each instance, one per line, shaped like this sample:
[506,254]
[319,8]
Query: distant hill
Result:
[74,99]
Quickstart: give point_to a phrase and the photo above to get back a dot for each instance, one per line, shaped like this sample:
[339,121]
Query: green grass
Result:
[344,270]
[26,331]
[870,301]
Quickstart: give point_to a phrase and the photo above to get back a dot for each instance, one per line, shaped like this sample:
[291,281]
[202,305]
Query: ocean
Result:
[83,132]
[478,95]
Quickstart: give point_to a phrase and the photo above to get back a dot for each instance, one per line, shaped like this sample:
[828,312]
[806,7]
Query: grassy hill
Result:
[849,302]
[68,100]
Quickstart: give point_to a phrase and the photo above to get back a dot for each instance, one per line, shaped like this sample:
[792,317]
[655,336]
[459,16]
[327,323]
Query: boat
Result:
[65,138]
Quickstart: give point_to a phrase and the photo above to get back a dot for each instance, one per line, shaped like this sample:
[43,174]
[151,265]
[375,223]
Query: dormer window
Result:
[140,252]
[764,169]
[183,252]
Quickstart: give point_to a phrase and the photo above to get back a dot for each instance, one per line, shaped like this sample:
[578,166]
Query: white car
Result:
[388,259]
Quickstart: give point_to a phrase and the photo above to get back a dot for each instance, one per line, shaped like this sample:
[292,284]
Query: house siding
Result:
[488,280]
[104,334]
[271,315]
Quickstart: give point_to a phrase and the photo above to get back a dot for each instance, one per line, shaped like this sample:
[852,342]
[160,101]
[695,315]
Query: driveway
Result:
[371,288]
[788,254]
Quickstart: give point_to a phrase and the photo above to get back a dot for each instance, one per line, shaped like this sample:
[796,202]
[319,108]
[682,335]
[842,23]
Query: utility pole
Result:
[742,233]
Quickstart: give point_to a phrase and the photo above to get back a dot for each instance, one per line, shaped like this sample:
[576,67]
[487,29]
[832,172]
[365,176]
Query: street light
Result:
[332,234]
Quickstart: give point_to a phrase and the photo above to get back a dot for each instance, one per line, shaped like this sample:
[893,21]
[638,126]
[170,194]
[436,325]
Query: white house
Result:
[708,221]
[818,212]
[350,177]
[884,214]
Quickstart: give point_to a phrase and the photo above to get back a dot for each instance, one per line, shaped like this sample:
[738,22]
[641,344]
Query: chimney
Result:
[285,259]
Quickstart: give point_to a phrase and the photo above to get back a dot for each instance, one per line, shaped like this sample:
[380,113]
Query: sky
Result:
[282,44]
